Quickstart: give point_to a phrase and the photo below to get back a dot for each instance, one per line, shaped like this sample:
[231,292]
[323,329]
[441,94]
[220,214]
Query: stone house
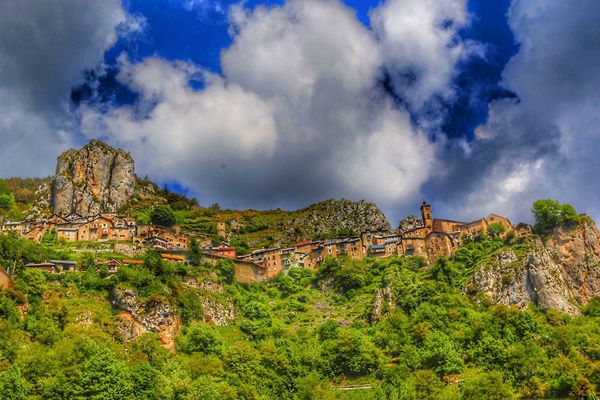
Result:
[270,259]
[522,229]
[64,265]
[67,234]
[224,250]
[244,271]
[44,266]
[475,228]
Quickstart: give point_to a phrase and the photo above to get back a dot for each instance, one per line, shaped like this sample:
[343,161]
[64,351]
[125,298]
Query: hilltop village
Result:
[94,189]
[428,237]
[433,238]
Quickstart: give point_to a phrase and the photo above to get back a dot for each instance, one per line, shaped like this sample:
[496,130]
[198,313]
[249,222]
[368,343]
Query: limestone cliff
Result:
[561,274]
[96,178]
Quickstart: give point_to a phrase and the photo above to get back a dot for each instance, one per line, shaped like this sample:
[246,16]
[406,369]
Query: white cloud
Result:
[177,132]
[421,45]
[297,116]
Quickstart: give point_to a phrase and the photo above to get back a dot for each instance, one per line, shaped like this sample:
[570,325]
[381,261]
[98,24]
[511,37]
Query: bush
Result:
[350,353]
[7,201]
[225,270]
[550,214]
[163,216]
[12,384]
[202,338]
[486,386]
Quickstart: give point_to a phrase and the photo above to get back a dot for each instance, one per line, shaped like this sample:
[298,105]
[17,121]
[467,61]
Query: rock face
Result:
[334,215]
[562,274]
[410,222]
[96,178]
[218,308]
[383,303]
[137,317]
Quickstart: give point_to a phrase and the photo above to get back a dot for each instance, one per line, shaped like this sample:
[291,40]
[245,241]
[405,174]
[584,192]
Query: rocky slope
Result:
[561,274]
[96,178]
[139,316]
[334,215]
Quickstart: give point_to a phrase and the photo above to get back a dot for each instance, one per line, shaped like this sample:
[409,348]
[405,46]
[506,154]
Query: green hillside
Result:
[389,329]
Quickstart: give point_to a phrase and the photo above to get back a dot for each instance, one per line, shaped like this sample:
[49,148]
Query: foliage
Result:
[12,384]
[296,337]
[550,214]
[162,215]
[7,201]
[202,338]
[495,230]
[194,253]
[225,269]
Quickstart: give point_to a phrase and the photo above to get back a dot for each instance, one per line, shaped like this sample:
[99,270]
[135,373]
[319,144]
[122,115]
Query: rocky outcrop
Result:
[96,178]
[139,316]
[331,216]
[383,303]
[218,309]
[410,222]
[562,274]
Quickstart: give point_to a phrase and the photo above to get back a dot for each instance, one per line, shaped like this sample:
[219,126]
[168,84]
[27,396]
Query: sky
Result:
[473,105]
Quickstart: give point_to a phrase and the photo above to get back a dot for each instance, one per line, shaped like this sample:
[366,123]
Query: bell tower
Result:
[426,214]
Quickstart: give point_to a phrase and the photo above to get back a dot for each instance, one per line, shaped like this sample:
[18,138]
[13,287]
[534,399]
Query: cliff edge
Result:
[562,274]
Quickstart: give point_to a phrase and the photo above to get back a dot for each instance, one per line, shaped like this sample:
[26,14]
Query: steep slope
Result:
[561,274]
[93,179]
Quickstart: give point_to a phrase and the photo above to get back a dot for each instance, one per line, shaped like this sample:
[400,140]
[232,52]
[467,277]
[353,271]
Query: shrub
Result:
[550,214]
[202,338]
[163,216]
[486,386]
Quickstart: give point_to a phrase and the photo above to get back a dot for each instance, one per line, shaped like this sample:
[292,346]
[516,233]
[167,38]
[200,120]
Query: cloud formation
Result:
[544,143]
[44,49]
[299,113]
[311,103]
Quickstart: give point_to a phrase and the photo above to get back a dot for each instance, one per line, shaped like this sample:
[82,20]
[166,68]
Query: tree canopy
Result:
[162,215]
[550,213]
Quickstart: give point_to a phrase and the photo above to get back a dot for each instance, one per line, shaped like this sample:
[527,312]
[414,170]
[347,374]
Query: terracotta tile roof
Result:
[137,262]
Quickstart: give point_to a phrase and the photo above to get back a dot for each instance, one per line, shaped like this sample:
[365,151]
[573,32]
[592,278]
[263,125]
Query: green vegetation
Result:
[163,216]
[550,214]
[300,336]
[7,201]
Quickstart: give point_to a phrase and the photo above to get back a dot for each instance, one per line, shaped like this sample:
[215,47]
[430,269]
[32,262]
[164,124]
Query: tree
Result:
[103,377]
[486,386]
[583,389]
[7,201]
[202,338]
[495,230]
[195,254]
[550,214]
[163,216]
[226,270]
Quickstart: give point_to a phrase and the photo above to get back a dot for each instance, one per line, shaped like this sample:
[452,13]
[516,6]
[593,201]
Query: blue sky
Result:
[477,106]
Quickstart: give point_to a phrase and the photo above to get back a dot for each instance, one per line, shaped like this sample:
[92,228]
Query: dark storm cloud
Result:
[44,49]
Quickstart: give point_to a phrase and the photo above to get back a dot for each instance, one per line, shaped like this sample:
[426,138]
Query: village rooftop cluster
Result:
[432,238]
[435,237]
